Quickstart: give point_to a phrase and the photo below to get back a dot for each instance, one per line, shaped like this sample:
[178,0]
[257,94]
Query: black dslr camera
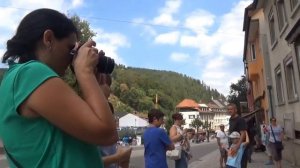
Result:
[105,64]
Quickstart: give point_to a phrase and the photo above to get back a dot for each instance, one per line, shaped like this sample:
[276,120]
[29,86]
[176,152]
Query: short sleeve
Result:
[164,138]
[28,78]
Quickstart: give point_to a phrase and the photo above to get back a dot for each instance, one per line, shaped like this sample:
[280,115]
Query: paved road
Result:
[198,150]
[137,156]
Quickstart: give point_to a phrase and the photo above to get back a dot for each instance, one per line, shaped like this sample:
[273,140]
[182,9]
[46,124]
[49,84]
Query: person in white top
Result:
[178,136]
[222,140]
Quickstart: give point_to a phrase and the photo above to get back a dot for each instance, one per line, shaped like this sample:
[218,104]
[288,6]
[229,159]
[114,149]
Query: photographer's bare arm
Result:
[89,118]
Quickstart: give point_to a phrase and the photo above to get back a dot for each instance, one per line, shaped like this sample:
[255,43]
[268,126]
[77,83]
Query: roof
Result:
[203,105]
[120,114]
[212,105]
[218,103]
[188,103]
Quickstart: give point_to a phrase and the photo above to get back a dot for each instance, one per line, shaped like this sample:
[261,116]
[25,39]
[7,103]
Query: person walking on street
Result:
[156,141]
[238,124]
[275,132]
[266,137]
[235,157]
[222,140]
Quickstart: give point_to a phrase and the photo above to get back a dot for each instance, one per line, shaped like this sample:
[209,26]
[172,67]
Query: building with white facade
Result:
[213,113]
[131,120]
[221,116]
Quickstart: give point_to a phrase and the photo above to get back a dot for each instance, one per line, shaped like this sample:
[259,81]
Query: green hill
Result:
[135,89]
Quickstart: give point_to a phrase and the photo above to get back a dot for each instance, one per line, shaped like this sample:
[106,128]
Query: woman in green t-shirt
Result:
[43,122]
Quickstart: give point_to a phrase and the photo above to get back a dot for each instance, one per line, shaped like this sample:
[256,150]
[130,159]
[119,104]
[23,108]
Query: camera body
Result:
[106,64]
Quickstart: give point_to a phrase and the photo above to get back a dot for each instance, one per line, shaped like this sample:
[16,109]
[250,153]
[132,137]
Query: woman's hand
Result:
[124,156]
[86,59]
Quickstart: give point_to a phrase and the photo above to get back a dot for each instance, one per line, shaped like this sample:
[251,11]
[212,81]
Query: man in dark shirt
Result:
[237,123]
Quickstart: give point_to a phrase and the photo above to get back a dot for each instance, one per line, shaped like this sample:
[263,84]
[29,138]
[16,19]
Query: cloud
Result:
[179,57]
[171,6]
[76,3]
[218,52]
[223,48]
[165,20]
[110,43]
[230,48]
[167,38]
[147,29]
[165,17]
[199,21]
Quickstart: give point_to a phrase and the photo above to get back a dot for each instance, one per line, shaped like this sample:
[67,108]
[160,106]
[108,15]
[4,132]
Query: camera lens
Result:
[106,64]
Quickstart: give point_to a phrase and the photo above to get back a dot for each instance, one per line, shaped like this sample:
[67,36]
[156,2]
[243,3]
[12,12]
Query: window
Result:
[279,85]
[282,19]
[290,80]
[294,3]
[297,134]
[191,116]
[297,48]
[272,27]
[253,53]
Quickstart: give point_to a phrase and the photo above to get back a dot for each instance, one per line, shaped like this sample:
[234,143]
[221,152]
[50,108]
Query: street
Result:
[137,156]
[198,150]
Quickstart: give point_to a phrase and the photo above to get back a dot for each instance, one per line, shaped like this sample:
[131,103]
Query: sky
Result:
[202,39]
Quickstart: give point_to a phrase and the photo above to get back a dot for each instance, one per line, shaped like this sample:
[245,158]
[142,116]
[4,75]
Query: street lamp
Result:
[207,127]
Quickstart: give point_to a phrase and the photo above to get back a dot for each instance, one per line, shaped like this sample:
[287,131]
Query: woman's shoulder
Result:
[31,68]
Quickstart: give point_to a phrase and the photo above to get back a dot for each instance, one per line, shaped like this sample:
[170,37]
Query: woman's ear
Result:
[48,38]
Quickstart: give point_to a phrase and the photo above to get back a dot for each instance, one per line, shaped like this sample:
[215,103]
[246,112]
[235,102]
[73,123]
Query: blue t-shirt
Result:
[156,141]
[235,161]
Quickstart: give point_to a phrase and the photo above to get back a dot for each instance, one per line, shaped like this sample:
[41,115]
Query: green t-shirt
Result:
[36,143]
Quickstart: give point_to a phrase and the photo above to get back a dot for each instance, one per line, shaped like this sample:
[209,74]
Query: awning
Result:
[248,116]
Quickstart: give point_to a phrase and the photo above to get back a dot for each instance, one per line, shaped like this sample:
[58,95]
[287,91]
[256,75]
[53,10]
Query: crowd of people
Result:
[236,146]
[53,126]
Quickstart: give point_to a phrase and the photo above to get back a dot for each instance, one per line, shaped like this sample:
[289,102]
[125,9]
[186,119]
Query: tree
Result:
[197,123]
[83,27]
[168,122]
[84,33]
[238,92]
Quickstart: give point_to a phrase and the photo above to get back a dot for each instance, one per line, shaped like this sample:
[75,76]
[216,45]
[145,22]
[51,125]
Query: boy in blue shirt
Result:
[156,141]
[234,159]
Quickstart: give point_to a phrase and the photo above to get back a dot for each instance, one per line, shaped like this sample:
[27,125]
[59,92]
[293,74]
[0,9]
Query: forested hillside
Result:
[135,89]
